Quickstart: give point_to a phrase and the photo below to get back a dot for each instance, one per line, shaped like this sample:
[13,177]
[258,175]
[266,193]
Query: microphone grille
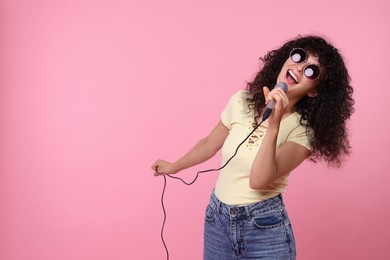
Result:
[281,85]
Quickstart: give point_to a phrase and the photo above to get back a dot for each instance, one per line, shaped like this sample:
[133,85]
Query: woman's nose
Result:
[301,66]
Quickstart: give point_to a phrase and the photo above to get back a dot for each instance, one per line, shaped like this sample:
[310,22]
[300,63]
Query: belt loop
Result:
[220,207]
[248,212]
[281,199]
[218,204]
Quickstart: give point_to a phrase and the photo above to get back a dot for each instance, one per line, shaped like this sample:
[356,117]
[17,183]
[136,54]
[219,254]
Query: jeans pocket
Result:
[267,220]
[210,213]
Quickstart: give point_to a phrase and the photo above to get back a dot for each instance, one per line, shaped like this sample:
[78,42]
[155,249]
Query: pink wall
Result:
[92,92]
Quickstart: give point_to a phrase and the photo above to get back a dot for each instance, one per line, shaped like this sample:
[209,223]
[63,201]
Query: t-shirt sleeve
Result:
[231,106]
[300,136]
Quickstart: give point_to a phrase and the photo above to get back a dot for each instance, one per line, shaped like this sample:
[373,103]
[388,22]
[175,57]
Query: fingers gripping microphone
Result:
[271,104]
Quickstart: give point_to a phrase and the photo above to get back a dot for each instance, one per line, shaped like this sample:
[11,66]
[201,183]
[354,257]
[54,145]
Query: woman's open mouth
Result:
[291,78]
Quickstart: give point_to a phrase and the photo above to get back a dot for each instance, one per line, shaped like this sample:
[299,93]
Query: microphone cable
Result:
[196,177]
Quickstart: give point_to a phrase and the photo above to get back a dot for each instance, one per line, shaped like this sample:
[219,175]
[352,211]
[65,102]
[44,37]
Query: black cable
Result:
[165,217]
[196,177]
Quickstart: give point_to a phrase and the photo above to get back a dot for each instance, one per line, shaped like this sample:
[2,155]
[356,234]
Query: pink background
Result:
[93,92]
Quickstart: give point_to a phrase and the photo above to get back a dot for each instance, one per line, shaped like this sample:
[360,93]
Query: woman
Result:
[246,218]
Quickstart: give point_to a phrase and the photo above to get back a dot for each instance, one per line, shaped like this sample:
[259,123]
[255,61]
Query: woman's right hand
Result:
[202,151]
[162,167]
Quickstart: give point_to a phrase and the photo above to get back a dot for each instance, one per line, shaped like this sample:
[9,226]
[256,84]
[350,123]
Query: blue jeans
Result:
[256,231]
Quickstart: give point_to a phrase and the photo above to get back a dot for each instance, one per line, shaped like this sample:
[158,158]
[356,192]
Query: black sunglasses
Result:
[311,71]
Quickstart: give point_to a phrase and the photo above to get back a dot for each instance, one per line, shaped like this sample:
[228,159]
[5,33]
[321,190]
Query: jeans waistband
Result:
[247,210]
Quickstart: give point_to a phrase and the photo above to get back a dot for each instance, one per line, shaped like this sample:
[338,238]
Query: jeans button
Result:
[233,212]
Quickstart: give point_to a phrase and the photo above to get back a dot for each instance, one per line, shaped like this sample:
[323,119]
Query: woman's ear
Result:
[312,94]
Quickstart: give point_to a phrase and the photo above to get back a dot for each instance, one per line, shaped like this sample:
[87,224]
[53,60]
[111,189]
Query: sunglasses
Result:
[311,71]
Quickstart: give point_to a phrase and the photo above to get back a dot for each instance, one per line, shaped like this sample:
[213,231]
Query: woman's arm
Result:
[273,163]
[201,152]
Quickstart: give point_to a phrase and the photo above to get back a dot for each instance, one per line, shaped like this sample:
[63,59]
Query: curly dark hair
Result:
[327,113]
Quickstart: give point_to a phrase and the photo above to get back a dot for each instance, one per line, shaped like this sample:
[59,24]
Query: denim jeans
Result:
[256,231]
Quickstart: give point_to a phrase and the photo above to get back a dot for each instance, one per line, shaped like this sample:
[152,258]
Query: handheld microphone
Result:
[271,104]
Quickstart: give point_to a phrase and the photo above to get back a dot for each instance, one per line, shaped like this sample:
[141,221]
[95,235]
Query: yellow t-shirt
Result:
[232,186]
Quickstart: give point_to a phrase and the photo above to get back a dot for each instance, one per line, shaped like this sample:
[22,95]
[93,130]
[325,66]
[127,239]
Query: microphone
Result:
[271,104]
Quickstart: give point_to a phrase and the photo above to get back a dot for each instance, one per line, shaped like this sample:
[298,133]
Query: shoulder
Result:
[294,120]
[240,94]
[240,97]
[237,108]
[294,124]
[296,130]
